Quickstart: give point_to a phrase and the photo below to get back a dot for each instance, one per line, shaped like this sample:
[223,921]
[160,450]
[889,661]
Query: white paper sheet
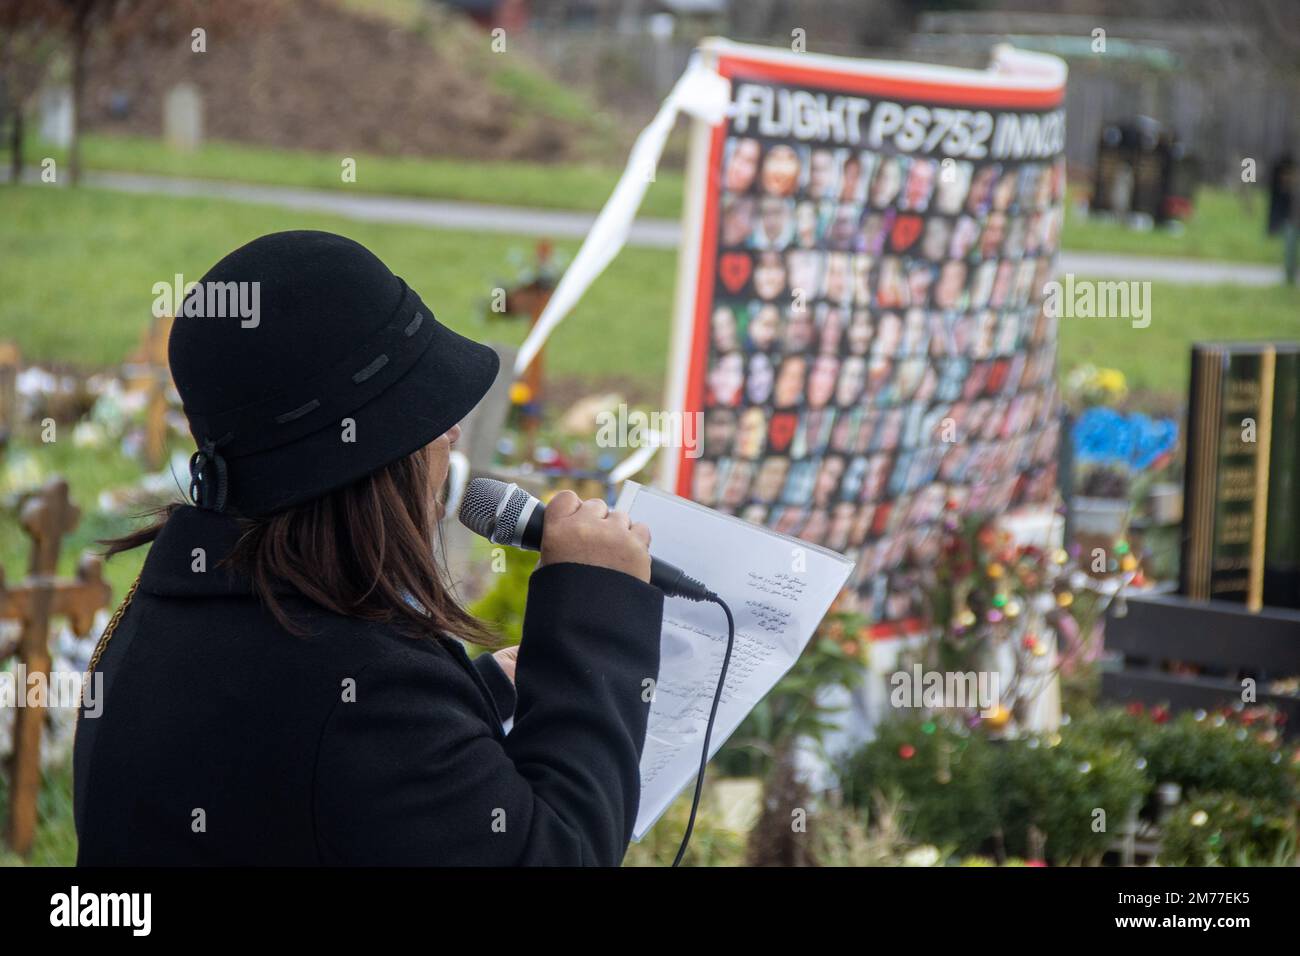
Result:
[779,588]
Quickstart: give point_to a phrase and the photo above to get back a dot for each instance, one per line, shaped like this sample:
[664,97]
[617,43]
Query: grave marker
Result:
[46,517]
[183,118]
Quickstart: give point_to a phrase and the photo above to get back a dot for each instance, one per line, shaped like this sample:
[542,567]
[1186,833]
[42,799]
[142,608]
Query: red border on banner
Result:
[729,66]
[965,94]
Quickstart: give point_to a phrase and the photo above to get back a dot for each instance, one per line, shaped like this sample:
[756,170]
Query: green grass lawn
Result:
[558,186]
[77,269]
[1226,226]
[1156,359]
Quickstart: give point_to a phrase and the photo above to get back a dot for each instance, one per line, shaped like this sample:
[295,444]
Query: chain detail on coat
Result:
[102,644]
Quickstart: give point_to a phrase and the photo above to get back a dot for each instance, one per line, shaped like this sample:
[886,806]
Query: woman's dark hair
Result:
[365,551]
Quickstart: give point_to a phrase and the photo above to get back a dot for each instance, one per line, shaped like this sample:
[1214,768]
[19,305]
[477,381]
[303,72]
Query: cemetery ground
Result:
[77,268]
[1227,225]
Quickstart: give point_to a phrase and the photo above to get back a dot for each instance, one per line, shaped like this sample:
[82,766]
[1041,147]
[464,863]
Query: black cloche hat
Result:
[315,368]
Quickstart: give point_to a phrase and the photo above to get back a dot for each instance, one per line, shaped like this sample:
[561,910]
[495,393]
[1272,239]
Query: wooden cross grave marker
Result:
[146,370]
[47,517]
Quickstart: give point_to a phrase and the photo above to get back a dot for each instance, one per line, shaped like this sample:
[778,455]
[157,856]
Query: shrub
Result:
[1216,829]
[958,788]
[943,775]
[1213,755]
[842,836]
[1202,753]
[1074,791]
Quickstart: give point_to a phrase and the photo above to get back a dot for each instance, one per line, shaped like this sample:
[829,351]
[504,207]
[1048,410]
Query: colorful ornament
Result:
[999,718]
[907,751]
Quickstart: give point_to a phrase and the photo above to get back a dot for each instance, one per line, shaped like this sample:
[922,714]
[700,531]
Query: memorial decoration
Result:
[860,304]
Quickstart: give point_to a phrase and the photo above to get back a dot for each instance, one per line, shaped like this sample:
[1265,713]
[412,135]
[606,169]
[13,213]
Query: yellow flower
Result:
[1111,381]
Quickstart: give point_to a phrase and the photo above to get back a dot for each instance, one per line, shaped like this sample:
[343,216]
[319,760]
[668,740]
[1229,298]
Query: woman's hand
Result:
[506,659]
[587,532]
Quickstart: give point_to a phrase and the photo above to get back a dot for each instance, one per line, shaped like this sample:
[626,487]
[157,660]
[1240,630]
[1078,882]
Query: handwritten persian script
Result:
[779,588]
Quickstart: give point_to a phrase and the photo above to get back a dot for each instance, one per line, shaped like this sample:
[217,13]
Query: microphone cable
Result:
[708,728]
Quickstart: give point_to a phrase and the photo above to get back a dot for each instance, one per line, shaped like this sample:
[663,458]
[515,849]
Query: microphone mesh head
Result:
[508,523]
[491,508]
[478,507]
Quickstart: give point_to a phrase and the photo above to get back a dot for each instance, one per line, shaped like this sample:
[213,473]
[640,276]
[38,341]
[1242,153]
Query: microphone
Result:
[506,514]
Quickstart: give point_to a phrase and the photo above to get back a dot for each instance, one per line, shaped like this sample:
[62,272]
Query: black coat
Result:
[223,739]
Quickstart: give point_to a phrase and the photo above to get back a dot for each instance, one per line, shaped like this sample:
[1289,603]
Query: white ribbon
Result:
[701,93]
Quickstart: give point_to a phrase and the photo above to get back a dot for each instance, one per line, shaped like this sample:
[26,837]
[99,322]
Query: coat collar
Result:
[187,557]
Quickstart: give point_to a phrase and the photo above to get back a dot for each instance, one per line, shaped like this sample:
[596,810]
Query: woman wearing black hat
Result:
[286,684]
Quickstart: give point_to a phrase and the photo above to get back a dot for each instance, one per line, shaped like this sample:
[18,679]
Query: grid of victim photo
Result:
[878,350]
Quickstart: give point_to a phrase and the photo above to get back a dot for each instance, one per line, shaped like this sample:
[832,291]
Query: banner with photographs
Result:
[861,319]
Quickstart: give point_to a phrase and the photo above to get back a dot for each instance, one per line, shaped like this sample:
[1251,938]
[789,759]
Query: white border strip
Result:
[1010,69]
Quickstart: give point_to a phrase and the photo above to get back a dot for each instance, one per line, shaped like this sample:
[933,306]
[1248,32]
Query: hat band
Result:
[323,400]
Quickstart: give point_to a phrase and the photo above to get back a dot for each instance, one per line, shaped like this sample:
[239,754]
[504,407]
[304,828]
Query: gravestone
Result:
[1237,613]
[183,118]
[56,111]
[1241,538]
[1143,173]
